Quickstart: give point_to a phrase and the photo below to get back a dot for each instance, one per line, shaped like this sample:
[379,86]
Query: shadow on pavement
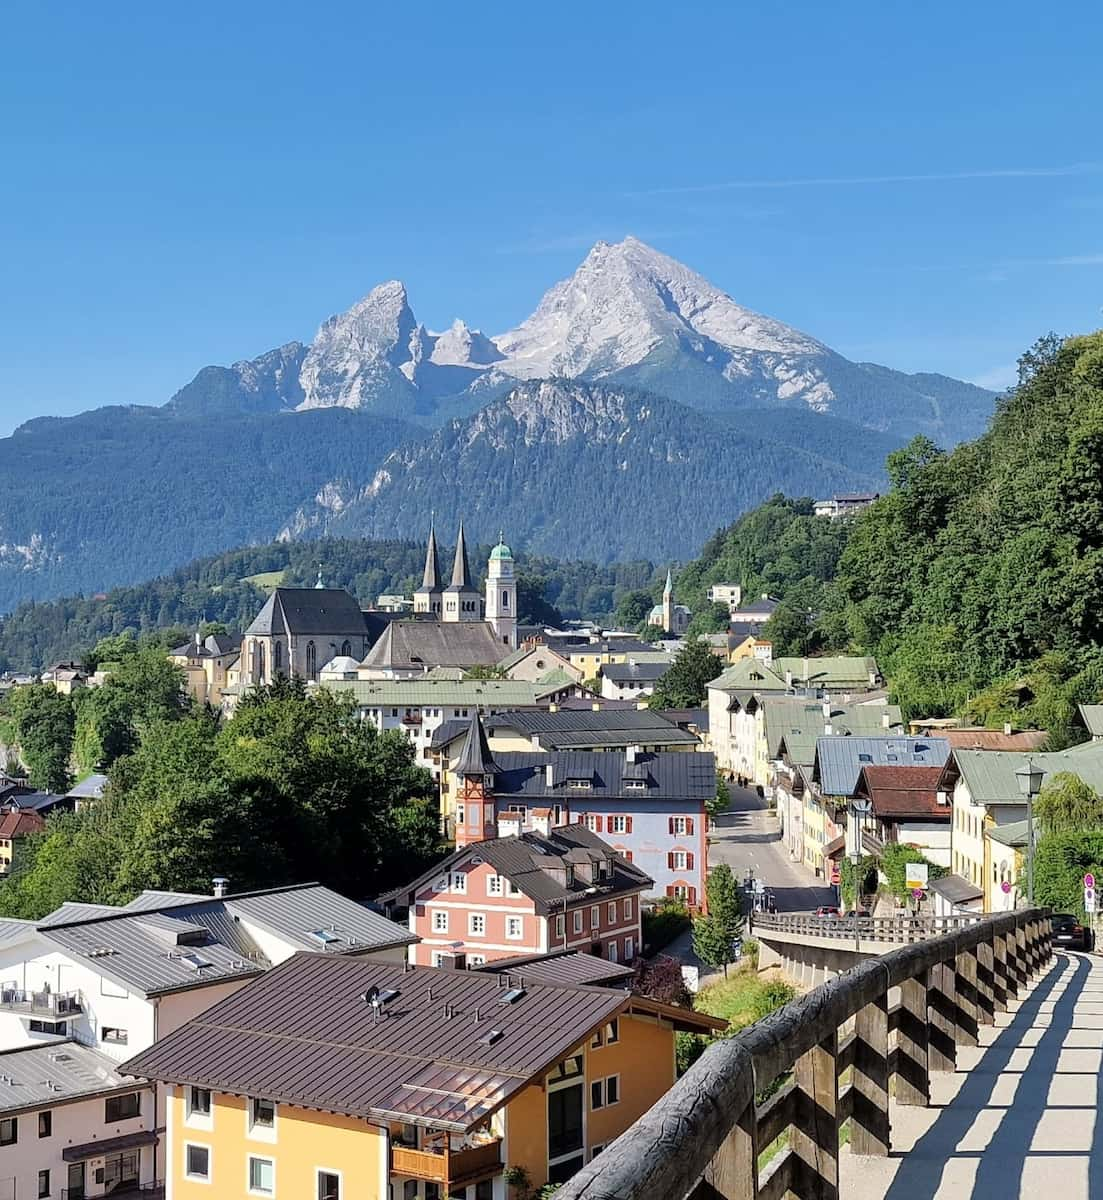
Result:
[1001,1165]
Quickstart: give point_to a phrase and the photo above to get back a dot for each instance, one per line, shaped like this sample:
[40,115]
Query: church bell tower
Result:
[501,595]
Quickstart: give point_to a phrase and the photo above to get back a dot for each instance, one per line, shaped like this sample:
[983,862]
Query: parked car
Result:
[858,912]
[828,910]
[1067,931]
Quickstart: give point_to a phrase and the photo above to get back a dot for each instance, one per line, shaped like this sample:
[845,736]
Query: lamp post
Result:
[1030,784]
[859,810]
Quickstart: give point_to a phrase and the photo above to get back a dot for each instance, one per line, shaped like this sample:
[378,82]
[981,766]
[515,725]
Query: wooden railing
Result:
[874,929]
[443,1165]
[704,1137]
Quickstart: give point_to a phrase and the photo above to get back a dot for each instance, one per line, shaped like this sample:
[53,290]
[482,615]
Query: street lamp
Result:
[1030,784]
[860,810]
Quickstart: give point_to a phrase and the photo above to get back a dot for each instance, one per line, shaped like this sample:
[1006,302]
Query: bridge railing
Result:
[845,1047]
[878,929]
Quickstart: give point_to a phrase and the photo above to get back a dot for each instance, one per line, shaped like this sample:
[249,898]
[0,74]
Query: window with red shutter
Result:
[670,860]
[692,895]
[627,824]
[670,889]
[628,855]
[689,824]
[597,824]
[689,862]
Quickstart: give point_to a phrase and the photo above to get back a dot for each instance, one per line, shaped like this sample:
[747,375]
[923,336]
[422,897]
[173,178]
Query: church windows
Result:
[346,648]
[505,599]
[260,662]
[277,657]
[311,661]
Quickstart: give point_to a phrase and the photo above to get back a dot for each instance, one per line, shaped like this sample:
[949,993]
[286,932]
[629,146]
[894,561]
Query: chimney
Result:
[535,739]
[549,774]
[198,642]
[827,730]
[541,821]
[827,710]
[872,678]
[221,886]
[886,720]
[788,678]
[631,754]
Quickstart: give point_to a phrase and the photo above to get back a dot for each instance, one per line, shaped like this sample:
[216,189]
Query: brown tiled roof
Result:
[19,824]
[305,1034]
[901,792]
[994,739]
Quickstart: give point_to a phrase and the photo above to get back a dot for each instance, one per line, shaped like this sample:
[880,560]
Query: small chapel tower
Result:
[501,595]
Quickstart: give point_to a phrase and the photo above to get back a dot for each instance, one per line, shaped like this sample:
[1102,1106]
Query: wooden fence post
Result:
[869,1130]
[913,1085]
[815,1140]
[986,980]
[999,972]
[1024,965]
[1014,981]
[942,1018]
[965,997]
[733,1171]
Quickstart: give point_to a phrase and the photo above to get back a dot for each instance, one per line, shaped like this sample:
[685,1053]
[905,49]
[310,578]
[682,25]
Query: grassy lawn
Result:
[267,581]
[744,996]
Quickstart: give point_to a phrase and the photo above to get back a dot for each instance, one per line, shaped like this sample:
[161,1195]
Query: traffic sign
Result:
[836,875]
[1005,887]
[915,875]
[1089,899]
[917,893]
[1089,880]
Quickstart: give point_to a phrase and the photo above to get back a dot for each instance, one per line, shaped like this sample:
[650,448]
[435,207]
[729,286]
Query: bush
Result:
[663,923]
[661,979]
[773,995]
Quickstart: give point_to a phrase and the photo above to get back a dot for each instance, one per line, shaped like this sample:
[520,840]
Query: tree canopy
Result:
[683,686]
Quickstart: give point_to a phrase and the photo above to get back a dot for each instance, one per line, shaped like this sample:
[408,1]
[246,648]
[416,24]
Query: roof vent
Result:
[196,960]
[100,952]
[511,996]
[59,1056]
[490,1037]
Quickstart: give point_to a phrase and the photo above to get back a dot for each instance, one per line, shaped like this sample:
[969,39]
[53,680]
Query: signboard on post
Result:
[915,876]
[836,875]
[1089,900]
[1089,880]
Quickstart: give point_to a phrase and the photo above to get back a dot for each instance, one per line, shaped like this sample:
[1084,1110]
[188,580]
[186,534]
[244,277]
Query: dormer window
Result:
[581,785]
[635,785]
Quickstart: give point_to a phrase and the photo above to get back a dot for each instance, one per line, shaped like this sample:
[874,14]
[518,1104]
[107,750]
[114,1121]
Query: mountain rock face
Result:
[634,411]
[599,470]
[629,313]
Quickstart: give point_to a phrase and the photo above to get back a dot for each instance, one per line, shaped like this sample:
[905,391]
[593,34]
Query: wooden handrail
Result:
[703,1138]
[878,929]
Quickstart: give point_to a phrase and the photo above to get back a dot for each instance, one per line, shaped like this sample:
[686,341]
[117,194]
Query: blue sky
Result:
[920,186]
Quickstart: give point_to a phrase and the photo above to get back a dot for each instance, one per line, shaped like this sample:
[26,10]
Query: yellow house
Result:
[207,664]
[342,1079]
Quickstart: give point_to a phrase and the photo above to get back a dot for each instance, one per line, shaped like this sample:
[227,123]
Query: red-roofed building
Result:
[907,809]
[14,826]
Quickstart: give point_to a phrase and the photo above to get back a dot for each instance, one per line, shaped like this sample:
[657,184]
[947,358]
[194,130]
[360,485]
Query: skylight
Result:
[326,936]
[196,960]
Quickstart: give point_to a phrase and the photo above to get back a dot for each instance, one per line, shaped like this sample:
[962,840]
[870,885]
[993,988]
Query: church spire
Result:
[430,581]
[668,589]
[461,573]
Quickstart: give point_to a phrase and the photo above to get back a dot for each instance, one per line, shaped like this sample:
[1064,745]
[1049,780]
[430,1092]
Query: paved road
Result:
[1018,1118]
[748,836]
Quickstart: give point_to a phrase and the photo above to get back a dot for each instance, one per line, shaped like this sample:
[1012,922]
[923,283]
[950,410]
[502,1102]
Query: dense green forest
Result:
[219,589]
[977,580]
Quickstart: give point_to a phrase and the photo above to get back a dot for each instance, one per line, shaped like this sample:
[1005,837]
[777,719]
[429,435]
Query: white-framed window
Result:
[605,1092]
[476,924]
[559,926]
[607,1035]
[679,860]
[197,1162]
[441,884]
[629,949]
[595,917]
[459,881]
[476,960]
[494,885]
[514,928]
[612,952]
[591,822]
[611,909]
[261,1119]
[461,815]
[261,1176]
[681,825]
[198,1107]
[577,920]
[618,824]
[329,1184]
[440,920]
[596,1150]
[628,909]
[514,890]
[438,958]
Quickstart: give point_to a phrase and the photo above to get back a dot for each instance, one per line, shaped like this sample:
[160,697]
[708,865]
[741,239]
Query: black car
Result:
[1067,931]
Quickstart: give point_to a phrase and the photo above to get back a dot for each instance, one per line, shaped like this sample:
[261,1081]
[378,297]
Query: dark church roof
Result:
[417,645]
[430,580]
[309,611]
[461,572]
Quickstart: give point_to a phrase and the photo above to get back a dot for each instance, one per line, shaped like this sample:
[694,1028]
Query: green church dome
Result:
[500,551]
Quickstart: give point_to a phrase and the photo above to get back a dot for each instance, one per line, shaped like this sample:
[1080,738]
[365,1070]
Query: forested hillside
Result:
[978,579]
[230,588]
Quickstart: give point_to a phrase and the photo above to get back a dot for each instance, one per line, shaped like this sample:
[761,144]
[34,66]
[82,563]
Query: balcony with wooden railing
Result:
[437,1162]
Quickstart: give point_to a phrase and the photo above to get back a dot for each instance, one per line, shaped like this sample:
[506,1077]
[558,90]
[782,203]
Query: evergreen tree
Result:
[715,934]
[683,686]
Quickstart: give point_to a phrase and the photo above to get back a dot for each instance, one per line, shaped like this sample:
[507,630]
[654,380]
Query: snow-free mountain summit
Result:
[629,314]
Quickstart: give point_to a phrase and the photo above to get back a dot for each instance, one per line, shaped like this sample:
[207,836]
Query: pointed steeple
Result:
[475,757]
[668,588]
[320,586]
[430,581]
[461,572]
